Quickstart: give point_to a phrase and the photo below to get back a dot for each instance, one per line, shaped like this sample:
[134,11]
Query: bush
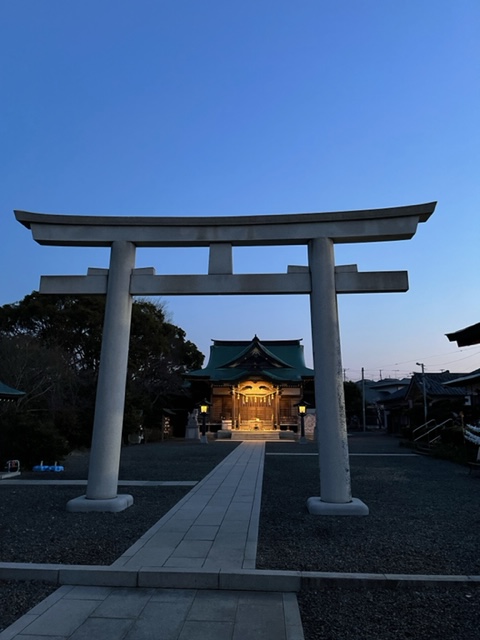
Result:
[24,437]
[459,453]
[452,436]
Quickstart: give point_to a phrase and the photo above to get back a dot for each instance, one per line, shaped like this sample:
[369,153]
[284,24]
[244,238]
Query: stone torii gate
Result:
[321,279]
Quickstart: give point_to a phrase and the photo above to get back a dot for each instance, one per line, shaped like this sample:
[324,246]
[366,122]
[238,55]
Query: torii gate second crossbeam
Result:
[320,279]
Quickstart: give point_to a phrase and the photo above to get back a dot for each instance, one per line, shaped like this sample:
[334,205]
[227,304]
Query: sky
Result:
[214,108]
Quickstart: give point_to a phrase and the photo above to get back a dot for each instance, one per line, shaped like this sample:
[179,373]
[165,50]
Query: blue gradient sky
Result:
[188,107]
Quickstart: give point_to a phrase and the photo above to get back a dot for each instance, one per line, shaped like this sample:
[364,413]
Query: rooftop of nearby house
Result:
[466,337]
[436,384]
[380,390]
[439,385]
[467,379]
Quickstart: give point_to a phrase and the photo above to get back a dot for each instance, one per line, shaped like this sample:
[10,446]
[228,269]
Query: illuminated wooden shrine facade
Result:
[254,385]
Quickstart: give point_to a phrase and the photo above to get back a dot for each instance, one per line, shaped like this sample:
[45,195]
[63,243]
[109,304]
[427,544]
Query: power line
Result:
[390,366]
[458,359]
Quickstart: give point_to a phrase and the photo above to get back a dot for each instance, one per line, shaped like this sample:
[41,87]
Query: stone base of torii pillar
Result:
[317,507]
[83,504]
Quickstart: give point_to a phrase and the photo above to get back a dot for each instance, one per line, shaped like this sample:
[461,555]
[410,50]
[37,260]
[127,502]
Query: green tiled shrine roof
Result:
[234,360]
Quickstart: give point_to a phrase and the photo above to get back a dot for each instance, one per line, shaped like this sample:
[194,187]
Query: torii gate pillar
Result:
[112,377]
[336,497]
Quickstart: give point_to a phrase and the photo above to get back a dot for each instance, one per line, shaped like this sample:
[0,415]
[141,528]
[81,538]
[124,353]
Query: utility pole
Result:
[364,417]
[420,364]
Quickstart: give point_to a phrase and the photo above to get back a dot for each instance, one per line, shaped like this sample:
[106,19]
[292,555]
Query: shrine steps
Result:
[260,435]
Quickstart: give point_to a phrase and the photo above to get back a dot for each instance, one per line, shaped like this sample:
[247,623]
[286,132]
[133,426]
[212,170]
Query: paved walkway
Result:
[212,529]
[215,526]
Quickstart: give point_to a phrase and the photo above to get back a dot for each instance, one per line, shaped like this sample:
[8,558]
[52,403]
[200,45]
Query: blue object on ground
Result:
[46,467]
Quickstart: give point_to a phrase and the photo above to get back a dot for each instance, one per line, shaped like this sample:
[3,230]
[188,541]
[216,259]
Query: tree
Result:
[31,427]
[71,323]
[60,339]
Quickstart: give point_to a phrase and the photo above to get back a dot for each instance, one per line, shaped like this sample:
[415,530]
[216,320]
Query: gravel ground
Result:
[16,598]
[48,535]
[424,517]
[429,613]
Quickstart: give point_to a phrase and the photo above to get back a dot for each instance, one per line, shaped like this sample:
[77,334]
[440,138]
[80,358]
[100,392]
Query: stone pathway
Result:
[215,525]
[81,613]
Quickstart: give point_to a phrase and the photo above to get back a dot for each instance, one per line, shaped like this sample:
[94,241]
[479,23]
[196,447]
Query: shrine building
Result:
[254,385]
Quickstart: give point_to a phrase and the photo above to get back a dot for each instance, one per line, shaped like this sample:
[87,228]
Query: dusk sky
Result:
[210,107]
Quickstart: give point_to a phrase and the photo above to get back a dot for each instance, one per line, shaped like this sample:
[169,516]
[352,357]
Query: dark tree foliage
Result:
[50,348]
[71,323]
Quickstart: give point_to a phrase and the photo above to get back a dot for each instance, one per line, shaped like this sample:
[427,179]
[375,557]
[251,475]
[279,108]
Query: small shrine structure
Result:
[254,385]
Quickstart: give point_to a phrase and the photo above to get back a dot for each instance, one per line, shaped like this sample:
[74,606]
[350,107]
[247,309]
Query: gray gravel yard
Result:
[35,526]
[376,613]
[50,534]
[424,518]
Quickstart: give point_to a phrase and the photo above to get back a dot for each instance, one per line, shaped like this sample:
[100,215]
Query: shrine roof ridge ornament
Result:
[366,225]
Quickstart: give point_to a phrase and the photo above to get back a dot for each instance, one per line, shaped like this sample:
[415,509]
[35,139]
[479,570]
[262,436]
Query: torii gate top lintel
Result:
[369,225]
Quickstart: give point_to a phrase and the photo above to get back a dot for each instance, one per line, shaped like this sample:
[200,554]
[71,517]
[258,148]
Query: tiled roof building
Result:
[254,385]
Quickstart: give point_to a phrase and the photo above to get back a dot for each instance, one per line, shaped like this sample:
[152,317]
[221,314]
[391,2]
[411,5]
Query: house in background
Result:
[440,395]
[376,393]
[253,385]
[471,381]
[437,394]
